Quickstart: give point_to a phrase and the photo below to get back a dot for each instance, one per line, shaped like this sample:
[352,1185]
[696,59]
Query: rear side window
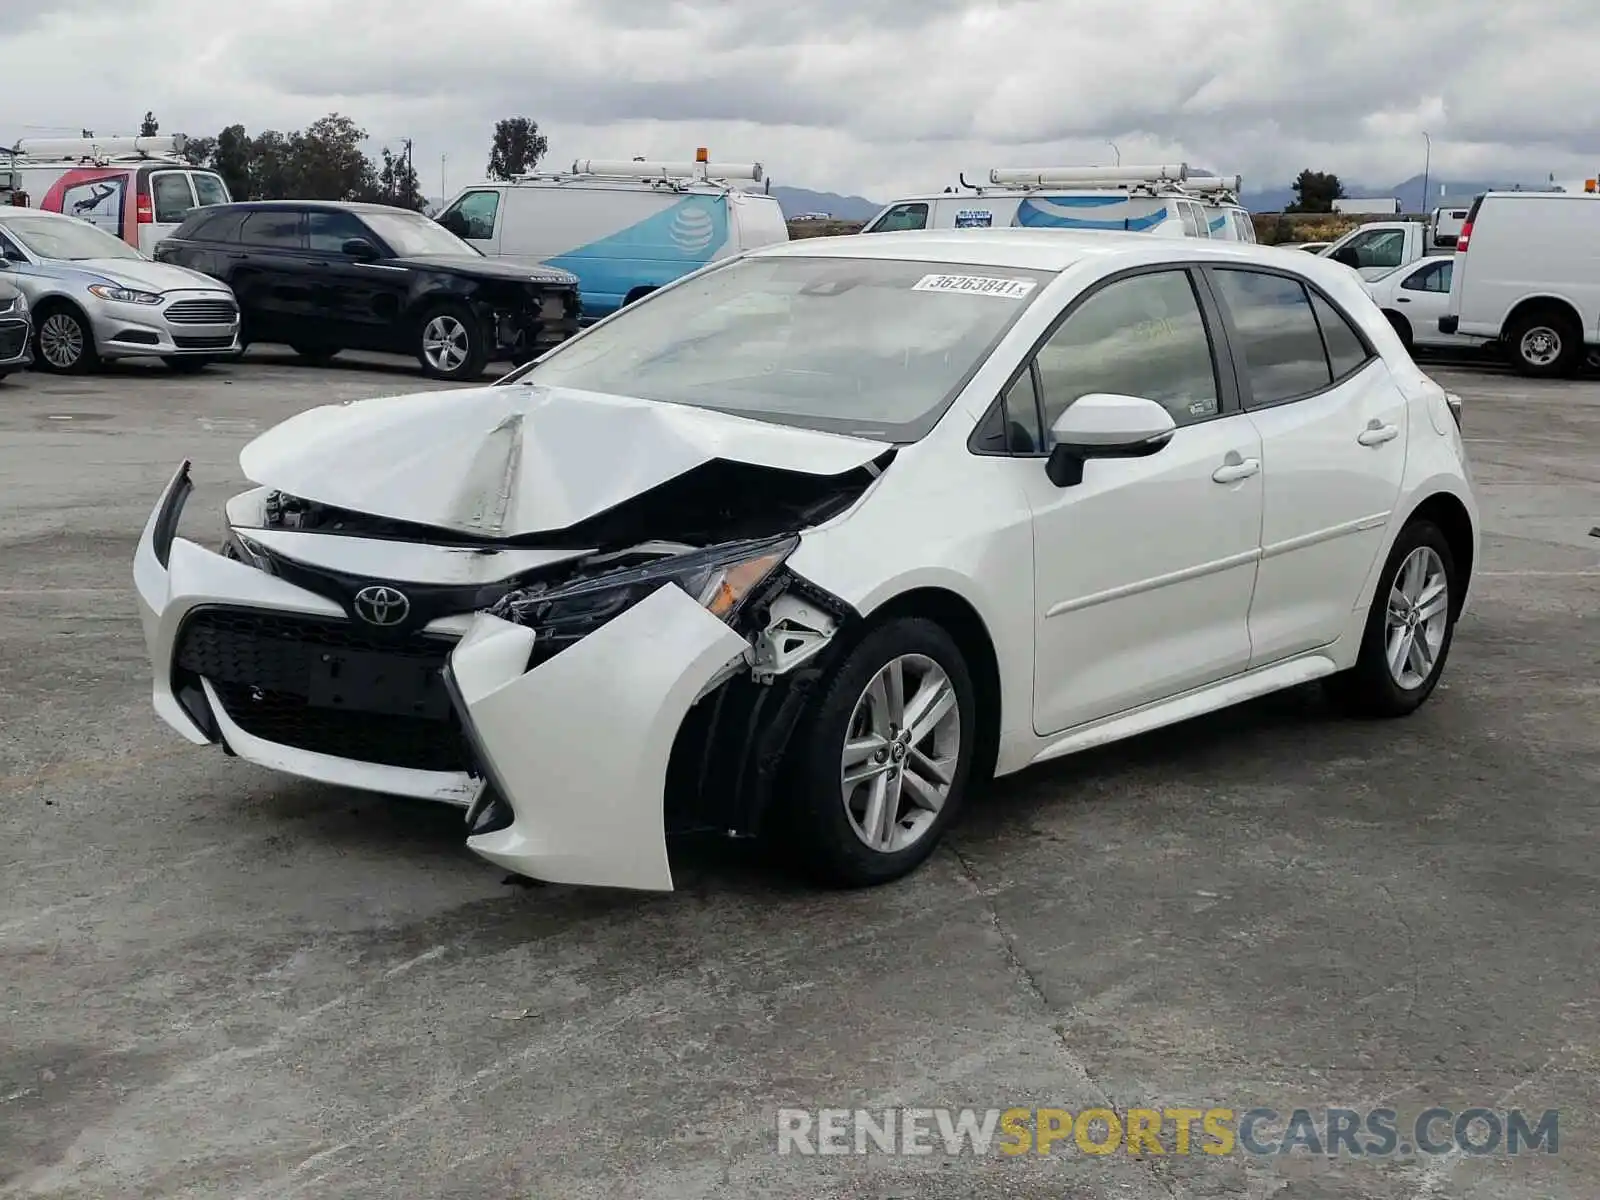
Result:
[211,227]
[209,188]
[171,196]
[1276,333]
[1347,353]
[272,230]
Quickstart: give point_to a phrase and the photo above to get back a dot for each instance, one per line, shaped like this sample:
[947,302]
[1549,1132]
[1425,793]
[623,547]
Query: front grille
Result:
[271,672]
[202,312]
[201,343]
[13,337]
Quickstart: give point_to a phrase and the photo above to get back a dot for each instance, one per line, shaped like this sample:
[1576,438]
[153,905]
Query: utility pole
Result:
[1427,164]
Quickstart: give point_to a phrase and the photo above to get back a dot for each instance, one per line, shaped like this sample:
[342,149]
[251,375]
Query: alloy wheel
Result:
[445,343]
[1418,617]
[901,750]
[61,341]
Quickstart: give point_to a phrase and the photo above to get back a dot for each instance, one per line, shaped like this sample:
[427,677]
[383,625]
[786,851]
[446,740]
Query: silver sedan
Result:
[95,297]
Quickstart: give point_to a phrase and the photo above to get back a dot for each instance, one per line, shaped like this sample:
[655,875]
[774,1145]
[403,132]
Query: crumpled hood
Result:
[518,459]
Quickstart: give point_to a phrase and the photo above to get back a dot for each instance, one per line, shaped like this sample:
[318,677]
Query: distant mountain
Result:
[1408,192]
[796,200]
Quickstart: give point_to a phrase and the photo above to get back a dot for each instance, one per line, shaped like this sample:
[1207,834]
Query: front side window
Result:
[1186,213]
[1380,248]
[473,215]
[171,196]
[1141,336]
[901,216]
[327,232]
[273,229]
[1277,334]
[872,347]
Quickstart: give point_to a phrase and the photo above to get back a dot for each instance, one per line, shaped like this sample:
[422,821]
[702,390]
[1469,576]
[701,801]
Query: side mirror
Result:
[1346,256]
[1102,425]
[12,254]
[359,248]
[455,223]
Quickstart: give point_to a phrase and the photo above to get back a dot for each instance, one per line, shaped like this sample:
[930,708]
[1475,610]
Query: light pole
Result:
[1115,151]
[444,193]
[1427,164]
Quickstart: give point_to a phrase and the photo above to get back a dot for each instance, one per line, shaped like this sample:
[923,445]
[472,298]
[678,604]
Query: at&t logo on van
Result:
[693,228]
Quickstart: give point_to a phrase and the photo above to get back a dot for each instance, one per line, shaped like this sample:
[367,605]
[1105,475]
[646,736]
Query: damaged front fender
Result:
[578,747]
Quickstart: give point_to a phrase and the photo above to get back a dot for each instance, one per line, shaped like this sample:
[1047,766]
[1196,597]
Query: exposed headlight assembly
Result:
[721,579]
[122,295]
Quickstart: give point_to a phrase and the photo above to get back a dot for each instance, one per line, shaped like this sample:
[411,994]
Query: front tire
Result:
[881,765]
[451,343]
[63,342]
[1544,344]
[1409,629]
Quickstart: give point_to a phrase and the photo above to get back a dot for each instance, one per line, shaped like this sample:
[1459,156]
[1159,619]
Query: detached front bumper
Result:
[577,749]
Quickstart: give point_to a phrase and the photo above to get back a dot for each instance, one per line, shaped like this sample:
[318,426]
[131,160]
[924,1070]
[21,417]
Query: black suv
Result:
[323,277]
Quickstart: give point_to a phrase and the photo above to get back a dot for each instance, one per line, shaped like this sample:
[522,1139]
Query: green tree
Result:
[149,127]
[397,182]
[327,162]
[518,146]
[1315,192]
[199,151]
[230,156]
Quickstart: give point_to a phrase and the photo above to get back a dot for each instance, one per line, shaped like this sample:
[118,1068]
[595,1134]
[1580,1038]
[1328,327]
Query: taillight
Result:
[146,214]
[1463,238]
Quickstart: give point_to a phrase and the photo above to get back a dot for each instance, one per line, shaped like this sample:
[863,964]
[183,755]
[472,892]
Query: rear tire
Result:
[451,343]
[1409,629]
[63,340]
[1544,343]
[1402,328]
[868,802]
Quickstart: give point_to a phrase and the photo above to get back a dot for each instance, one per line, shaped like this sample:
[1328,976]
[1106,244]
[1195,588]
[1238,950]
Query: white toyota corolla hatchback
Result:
[814,540]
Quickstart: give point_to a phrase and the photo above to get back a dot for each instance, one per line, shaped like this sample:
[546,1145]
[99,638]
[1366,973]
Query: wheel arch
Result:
[52,301]
[637,293]
[958,617]
[1543,302]
[1445,510]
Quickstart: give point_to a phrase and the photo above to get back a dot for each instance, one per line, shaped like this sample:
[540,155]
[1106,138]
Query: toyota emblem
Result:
[380,605]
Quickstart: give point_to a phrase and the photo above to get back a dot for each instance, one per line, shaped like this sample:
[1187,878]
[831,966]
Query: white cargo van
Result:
[623,227]
[1527,274]
[1154,199]
[138,189]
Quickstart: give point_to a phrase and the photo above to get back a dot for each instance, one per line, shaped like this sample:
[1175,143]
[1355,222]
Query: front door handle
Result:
[1377,433]
[1236,469]
[1402,299]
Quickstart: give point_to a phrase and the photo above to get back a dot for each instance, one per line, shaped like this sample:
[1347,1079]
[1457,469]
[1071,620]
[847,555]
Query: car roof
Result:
[354,206]
[13,209]
[1043,249]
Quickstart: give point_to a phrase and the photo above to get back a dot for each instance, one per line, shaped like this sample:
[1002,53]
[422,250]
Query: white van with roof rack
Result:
[138,189]
[623,227]
[1163,200]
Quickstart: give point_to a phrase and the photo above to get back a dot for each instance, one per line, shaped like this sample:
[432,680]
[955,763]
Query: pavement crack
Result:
[1008,943]
[1411,946]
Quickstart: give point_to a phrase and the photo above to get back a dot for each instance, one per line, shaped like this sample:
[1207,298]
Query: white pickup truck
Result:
[1383,246]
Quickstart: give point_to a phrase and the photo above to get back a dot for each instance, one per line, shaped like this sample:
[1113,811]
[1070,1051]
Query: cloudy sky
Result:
[874,97]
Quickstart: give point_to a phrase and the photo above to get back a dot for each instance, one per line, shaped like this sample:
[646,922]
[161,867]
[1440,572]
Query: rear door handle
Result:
[1233,472]
[1377,433]
[237,254]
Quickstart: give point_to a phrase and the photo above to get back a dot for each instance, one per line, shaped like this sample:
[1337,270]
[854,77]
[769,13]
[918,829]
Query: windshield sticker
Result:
[974,218]
[975,285]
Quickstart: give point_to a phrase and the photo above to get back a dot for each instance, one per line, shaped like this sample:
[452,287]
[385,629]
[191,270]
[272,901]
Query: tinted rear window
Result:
[211,227]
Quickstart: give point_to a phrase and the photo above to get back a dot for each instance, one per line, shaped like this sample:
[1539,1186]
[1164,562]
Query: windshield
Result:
[64,237]
[872,347]
[410,235]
